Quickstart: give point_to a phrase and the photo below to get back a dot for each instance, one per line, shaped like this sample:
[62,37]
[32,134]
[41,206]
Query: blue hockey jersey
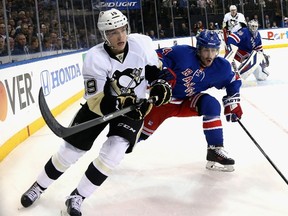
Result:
[182,68]
[245,41]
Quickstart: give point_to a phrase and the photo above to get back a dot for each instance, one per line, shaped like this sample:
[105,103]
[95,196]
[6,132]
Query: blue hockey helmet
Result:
[208,39]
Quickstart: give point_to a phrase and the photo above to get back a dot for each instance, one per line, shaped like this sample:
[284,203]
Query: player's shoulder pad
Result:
[178,51]
[222,61]
[143,44]
[97,49]
[139,38]
[101,55]
[245,30]
[182,48]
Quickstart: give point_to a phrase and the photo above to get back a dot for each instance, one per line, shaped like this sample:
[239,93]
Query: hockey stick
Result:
[231,54]
[267,38]
[62,131]
[262,151]
[232,51]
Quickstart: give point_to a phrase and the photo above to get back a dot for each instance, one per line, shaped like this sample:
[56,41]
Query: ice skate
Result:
[218,160]
[73,203]
[31,195]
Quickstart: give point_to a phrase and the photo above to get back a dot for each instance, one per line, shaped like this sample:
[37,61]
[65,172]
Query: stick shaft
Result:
[262,151]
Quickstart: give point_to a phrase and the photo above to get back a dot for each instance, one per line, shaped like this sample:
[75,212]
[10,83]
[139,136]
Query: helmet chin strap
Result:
[106,39]
[108,42]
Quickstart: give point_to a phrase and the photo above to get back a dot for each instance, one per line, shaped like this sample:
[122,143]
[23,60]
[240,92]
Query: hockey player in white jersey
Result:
[232,21]
[116,75]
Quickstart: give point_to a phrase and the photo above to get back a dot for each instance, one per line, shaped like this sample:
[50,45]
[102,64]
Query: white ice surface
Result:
[166,175]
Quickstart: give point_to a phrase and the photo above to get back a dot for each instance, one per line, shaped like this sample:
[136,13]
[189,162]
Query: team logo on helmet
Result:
[209,39]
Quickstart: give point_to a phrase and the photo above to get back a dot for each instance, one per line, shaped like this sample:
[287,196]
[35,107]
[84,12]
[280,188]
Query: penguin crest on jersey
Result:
[126,81]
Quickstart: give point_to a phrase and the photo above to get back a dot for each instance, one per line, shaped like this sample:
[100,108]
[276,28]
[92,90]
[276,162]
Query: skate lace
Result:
[34,193]
[76,202]
[220,151]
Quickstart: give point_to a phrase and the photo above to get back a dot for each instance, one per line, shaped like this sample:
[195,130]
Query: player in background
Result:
[116,73]
[232,21]
[247,40]
[191,71]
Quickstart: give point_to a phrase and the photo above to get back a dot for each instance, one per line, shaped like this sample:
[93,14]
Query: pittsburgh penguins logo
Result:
[233,22]
[126,81]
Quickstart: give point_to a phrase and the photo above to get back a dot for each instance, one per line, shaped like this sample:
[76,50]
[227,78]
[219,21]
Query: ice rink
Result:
[166,175]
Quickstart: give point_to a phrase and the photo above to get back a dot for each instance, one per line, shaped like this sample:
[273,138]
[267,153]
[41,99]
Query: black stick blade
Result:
[52,123]
[62,131]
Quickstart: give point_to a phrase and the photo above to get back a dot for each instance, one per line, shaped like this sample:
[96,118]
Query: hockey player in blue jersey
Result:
[190,72]
[249,43]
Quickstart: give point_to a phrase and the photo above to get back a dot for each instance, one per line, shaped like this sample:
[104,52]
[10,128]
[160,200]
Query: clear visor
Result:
[115,32]
[106,35]
[210,50]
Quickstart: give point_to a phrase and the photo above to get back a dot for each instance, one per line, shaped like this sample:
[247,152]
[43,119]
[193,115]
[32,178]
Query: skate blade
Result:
[211,165]
[20,208]
[64,213]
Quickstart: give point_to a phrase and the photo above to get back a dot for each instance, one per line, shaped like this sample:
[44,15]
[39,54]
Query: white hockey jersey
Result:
[233,24]
[125,75]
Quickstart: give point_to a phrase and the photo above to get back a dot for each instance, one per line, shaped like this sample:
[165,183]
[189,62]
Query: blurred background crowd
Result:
[36,28]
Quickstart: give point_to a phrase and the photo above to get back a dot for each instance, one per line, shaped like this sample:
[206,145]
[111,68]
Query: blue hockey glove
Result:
[232,108]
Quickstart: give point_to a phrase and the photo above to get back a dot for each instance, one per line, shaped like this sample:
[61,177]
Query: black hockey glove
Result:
[143,107]
[162,91]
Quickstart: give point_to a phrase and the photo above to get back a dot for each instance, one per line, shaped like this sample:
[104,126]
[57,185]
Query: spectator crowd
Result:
[28,28]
